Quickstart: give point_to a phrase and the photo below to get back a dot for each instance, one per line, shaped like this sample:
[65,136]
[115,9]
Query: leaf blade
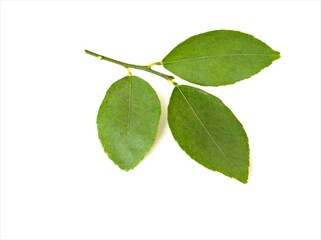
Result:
[127,121]
[219,58]
[209,132]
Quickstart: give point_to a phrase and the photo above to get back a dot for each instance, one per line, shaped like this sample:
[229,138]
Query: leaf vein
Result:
[217,56]
[129,105]
[201,122]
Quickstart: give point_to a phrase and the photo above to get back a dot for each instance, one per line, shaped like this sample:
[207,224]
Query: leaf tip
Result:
[244,180]
[241,177]
[126,167]
[277,55]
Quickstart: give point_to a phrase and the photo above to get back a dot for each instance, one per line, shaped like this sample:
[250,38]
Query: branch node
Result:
[151,64]
[170,80]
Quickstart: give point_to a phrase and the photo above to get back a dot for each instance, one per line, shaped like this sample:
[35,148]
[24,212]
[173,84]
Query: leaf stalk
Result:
[128,65]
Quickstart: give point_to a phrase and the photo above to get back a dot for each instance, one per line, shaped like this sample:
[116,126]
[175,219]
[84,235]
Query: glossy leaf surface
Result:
[219,58]
[127,121]
[209,132]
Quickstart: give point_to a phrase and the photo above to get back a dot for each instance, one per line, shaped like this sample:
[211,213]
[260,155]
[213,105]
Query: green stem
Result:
[128,65]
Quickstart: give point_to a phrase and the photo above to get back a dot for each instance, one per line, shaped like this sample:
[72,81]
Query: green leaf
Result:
[209,132]
[219,58]
[127,121]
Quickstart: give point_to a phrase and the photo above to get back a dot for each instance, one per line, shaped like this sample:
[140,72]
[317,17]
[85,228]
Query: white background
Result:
[56,180]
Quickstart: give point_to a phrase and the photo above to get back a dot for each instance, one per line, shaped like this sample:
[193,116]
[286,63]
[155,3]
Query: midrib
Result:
[217,56]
